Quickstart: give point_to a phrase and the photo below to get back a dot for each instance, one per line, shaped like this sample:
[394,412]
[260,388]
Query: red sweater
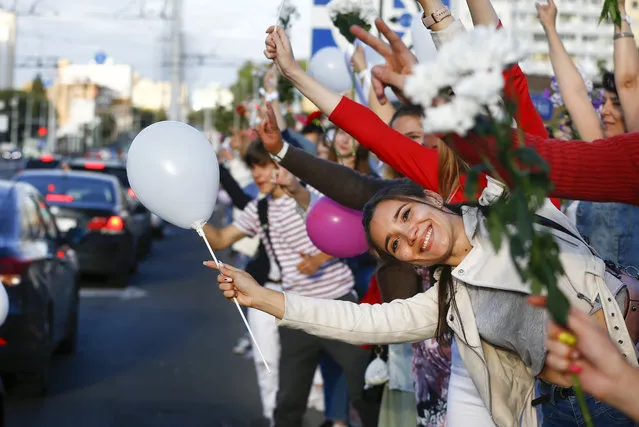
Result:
[606,170]
[421,164]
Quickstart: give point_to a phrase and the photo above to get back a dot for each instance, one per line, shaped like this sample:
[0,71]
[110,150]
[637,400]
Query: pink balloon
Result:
[335,229]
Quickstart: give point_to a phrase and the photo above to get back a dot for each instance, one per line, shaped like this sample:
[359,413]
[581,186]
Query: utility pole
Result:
[176,61]
[15,120]
[28,120]
[51,120]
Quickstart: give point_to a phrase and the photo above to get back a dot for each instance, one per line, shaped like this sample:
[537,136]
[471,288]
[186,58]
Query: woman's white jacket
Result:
[505,384]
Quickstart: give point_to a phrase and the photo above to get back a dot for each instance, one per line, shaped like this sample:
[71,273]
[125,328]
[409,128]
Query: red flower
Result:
[241,109]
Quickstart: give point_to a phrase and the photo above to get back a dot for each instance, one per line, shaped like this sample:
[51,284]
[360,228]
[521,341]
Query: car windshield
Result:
[42,164]
[69,189]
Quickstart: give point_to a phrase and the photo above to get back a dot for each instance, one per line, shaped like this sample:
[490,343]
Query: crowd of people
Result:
[462,340]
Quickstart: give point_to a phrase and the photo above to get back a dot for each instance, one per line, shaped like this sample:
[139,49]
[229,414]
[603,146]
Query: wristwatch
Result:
[437,16]
[627,18]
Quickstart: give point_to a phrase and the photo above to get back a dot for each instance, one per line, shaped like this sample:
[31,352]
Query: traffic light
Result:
[42,131]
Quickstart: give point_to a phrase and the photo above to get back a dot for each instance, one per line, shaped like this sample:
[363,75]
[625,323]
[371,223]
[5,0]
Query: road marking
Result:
[127,293]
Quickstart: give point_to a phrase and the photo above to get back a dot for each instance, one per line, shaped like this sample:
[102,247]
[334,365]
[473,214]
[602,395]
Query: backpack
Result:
[626,291]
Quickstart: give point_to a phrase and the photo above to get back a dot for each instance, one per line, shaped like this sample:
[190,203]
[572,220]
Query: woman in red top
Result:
[605,170]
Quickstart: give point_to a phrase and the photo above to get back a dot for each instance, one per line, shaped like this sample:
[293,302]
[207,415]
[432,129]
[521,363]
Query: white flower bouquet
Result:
[345,13]
[471,67]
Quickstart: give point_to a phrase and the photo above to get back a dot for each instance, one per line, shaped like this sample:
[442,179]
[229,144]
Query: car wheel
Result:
[70,342]
[120,279]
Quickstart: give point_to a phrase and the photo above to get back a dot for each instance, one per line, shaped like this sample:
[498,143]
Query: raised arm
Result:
[400,152]
[239,198]
[626,62]
[338,182]
[410,320]
[571,84]
[605,170]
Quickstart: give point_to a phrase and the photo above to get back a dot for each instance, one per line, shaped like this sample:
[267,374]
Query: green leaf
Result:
[344,22]
[558,306]
[495,230]
[528,156]
[471,187]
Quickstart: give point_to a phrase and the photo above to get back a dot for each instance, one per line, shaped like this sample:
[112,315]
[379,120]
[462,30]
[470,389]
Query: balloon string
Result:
[200,231]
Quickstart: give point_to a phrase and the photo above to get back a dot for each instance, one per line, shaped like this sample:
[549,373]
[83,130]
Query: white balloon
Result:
[174,172]
[372,57]
[390,95]
[328,66]
[423,44]
[4,304]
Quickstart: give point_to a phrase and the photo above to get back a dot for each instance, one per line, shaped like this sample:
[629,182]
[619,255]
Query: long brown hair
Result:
[362,164]
[451,167]
[408,191]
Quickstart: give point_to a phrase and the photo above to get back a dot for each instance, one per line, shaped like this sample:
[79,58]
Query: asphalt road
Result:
[158,354]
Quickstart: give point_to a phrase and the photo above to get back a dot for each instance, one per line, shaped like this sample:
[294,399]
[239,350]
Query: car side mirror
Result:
[74,236]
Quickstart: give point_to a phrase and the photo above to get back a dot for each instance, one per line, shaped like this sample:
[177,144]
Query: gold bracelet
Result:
[622,35]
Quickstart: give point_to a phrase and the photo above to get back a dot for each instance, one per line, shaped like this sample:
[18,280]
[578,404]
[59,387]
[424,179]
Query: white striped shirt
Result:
[287,230]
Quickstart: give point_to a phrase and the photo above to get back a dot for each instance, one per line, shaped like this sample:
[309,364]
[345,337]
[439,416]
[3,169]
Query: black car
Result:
[97,205]
[45,161]
[39,271]
[118,169]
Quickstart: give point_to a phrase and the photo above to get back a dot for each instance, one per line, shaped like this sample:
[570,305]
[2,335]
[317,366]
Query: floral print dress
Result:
[431,371]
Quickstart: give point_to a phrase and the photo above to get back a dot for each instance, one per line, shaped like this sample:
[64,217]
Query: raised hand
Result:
[236,283]
[547,14]
[279,50]
[399,60]
[269,133]
[286,181]
[593,356]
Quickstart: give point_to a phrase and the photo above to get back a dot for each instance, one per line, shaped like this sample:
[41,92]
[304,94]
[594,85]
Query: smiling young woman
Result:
[479,303]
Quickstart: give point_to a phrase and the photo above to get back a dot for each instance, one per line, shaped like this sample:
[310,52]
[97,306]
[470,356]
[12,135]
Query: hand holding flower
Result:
[279,50]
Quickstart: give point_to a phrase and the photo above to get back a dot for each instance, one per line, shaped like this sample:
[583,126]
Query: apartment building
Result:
[577,22]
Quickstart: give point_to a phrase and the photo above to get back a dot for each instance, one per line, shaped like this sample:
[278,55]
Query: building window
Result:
[635,4]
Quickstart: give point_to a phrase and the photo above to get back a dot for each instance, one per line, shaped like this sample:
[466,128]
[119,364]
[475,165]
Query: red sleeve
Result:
[516,89]
[526,115]
[412,160]
[606,170]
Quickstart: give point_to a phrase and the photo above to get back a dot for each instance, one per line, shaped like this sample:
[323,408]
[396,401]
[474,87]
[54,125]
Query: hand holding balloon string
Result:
[200,231]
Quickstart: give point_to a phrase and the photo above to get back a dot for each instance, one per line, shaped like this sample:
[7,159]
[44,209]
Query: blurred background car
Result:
[45,161]
[12,154]
[96,205]
[39,270]
[117,168]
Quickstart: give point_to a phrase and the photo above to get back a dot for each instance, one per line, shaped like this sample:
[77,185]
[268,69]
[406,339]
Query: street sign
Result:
[398,14]
[543,106]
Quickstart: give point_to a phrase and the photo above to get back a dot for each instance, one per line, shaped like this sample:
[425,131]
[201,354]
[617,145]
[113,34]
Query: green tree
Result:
[37,87]
[108,127]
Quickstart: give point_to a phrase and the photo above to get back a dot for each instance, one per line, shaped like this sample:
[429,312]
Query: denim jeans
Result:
[335,390]
[566,412]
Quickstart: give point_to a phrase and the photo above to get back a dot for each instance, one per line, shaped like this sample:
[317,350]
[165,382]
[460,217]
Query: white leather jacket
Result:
[504,382]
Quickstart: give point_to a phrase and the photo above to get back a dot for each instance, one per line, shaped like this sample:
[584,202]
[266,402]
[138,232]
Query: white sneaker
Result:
[243,345]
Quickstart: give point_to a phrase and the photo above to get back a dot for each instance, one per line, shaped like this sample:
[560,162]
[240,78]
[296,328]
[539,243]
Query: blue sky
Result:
[76,29]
